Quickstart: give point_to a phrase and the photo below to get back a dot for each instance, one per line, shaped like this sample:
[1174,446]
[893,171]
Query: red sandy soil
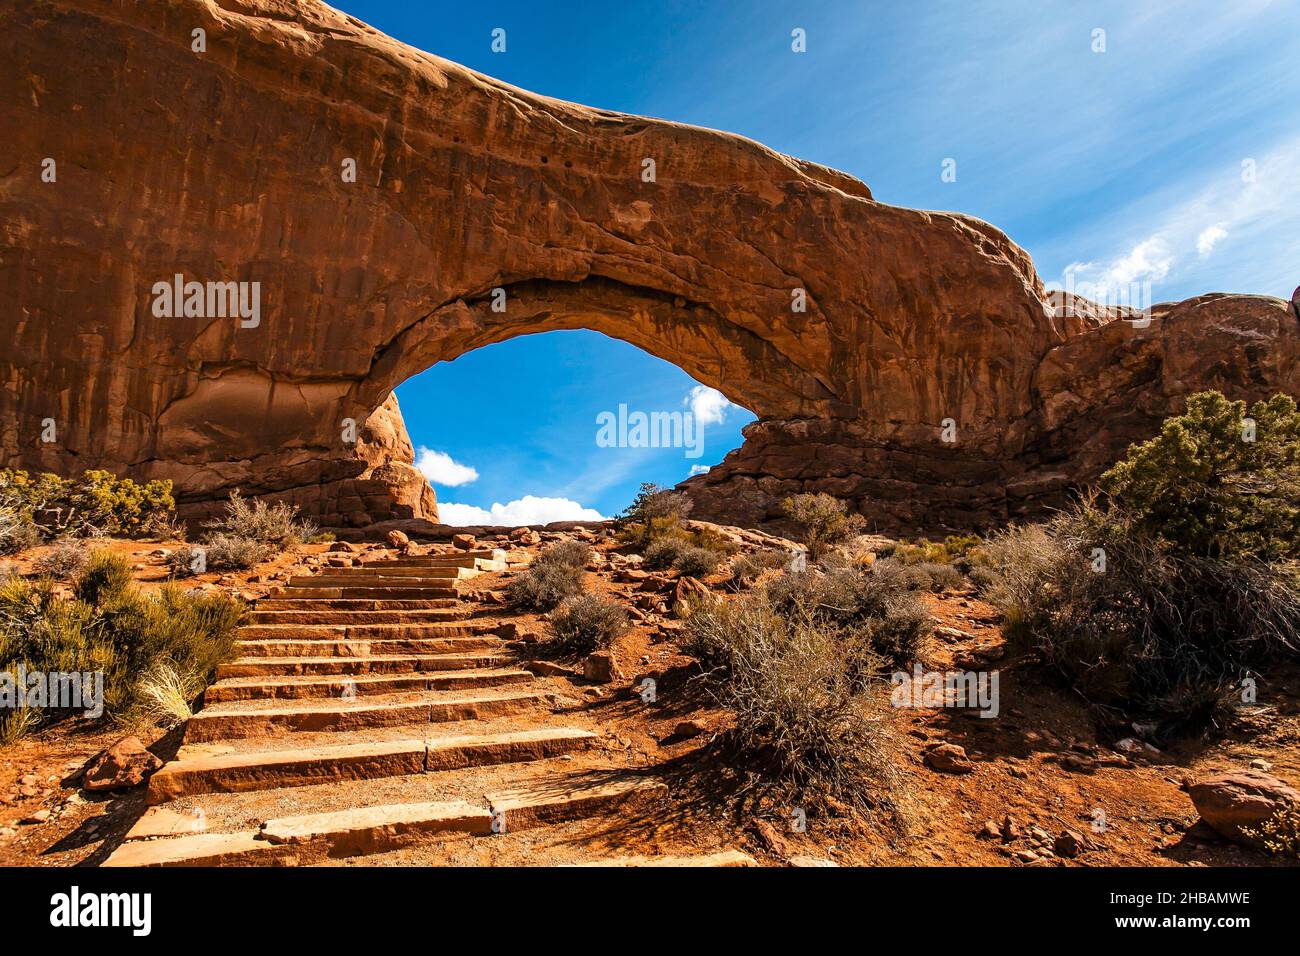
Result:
[1041,761]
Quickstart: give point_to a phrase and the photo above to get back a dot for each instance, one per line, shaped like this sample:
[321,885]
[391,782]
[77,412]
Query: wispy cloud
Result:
[440,469]
[708,405]
[530,509]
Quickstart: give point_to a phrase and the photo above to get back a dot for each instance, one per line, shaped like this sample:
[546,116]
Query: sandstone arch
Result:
[225,166]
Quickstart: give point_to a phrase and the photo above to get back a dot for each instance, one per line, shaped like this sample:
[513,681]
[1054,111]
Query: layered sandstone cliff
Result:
[229,165]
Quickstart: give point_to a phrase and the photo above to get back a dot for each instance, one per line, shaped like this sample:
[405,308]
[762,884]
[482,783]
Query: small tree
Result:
[1216,484]
[655,511]
[824,520]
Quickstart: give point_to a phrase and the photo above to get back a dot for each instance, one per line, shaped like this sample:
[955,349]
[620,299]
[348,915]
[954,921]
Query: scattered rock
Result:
[399,540]
[1010,830]
[810,861]
[548,669]
[989,831]
[465,542]
[689,592]
[125,764]
[601,668]
[948,758]
[1069,843]
[1243,798]
[40,816]
[346,546]
[770,838]
[1259,763]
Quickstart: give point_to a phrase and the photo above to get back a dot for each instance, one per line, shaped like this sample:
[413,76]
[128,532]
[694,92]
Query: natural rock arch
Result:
[226,166]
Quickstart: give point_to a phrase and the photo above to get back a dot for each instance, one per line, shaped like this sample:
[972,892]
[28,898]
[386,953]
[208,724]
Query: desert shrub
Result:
[952,549]
[1155,628]
[586,622]
[824,521]
[230,552]
[185,562]
[17,531]
[65,559]
[1280,833]
[875,609]
[112,628]
[655,512]
[276,525]
[97,503]
[541,587]
[663,553]
[1204,489]
[931,576]
[570,553]
[748,568]
[806,721]
[105,579]
[697,562]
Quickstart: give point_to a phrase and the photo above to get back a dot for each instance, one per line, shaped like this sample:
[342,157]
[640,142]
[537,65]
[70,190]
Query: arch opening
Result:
[559,425]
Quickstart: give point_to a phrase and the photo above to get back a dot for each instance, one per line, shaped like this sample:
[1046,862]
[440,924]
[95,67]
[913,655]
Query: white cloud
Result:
[1209,238]
[439,468]
[699,470]
[529,509]
[708,405]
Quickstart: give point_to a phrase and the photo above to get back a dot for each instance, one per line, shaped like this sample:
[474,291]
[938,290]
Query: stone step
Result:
[375,829]
[236,720]
[375,664]
[366,685]
[721,858]
[353,604]
[425,565]
[357,617]
[200,849]
[367,593]
[421,560]
[384,632]
[336,577]
[268,769]
[365,647]
[555,799]
[381,828]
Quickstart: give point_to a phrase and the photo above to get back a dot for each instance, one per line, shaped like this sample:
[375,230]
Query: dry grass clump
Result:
[555,574]
[586,623]
[64,560]
[748,569]
[812,719]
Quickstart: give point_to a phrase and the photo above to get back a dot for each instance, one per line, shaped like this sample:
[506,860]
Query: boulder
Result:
[398,540]
[1239,799]
[464,542]
[125,764]
[948,758]
[689,594]
[601,668]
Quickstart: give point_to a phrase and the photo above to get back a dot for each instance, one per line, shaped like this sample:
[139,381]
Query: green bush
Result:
[586,623]
[824,521]
[1203,488]
[97,503]
[111,627]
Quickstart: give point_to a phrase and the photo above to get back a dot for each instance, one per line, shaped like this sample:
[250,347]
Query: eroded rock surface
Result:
[227,166]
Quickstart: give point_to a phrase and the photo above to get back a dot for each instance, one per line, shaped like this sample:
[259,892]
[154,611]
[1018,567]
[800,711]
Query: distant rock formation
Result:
[233,165]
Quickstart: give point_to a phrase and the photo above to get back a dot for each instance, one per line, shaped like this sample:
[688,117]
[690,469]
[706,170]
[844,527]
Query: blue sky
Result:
[1173,157]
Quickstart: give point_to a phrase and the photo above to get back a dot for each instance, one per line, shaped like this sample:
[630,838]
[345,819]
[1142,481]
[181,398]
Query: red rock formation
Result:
[225,165]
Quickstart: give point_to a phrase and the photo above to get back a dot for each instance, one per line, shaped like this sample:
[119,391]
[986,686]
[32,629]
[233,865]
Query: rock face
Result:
[1244,798]
[233,164]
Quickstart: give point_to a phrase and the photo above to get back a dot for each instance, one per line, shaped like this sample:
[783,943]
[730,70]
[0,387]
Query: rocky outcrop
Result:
[479,212]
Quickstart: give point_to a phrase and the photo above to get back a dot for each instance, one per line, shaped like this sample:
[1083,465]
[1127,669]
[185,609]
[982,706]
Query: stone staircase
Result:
[371,711]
